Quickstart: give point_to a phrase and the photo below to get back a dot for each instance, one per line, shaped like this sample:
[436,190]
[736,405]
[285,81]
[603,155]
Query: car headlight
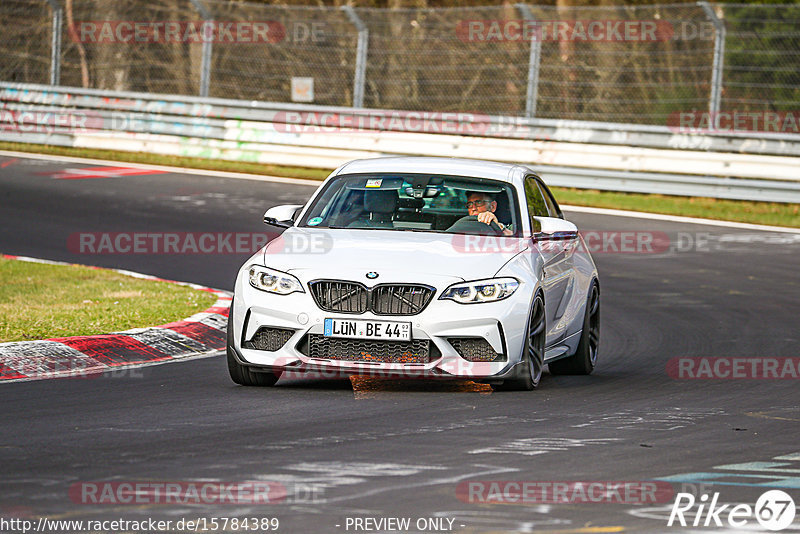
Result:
[490,290]
[273,281]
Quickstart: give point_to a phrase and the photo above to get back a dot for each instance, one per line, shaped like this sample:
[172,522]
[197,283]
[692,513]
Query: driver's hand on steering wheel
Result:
[487,217]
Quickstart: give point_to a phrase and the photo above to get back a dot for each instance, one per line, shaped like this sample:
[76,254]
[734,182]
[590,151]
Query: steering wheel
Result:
[470,224]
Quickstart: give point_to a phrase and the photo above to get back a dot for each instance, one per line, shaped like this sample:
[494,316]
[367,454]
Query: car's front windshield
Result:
[413,202]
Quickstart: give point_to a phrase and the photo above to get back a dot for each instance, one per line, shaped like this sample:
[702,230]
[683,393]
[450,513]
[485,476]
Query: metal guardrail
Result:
[633,158]
[201,109]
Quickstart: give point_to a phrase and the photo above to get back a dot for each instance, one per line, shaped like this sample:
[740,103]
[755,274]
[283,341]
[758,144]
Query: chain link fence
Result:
[25,46]
[762,57]
[616,64]
[304,42]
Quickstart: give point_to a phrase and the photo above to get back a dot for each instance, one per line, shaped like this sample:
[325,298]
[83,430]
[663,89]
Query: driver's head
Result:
[480,202]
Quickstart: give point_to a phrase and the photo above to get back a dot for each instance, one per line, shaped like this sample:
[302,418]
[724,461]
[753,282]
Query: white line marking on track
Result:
[536,446]
[679,218]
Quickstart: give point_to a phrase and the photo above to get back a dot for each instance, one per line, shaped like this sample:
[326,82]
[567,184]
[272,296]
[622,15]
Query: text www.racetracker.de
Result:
[201,524]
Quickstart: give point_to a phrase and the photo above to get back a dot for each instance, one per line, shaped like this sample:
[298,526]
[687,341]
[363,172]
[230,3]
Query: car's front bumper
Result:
[502,324]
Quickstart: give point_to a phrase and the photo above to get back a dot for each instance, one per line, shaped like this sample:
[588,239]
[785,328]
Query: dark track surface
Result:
[380,449]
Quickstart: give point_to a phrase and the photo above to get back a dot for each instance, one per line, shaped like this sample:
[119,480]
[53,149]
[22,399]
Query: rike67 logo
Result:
[774,510]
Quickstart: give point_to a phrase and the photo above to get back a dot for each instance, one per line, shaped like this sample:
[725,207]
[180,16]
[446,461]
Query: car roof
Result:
[432,165]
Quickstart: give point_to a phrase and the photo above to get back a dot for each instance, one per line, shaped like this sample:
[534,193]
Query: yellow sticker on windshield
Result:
[374,182]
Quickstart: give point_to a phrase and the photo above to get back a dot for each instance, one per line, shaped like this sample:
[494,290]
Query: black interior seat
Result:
[379,206]
[503,211]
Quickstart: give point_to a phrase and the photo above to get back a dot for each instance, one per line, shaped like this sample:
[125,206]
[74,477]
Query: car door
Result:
[556,249]
[572,245]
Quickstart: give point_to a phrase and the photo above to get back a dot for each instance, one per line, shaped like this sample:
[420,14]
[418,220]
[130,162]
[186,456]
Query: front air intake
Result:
[269,339]
[475,349]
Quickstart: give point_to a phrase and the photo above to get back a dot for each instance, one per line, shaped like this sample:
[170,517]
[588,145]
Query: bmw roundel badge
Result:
[372,275]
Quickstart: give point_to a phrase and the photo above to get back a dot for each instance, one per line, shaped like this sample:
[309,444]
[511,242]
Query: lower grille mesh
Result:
[475,349]
[363,350]
[269,339]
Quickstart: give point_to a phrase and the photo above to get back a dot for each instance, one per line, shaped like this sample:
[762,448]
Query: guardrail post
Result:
[719,57]
[205,54]
[55,43]
[534,60]
[360,78]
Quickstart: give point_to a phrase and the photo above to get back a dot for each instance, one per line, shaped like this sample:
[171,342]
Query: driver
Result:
[483,205]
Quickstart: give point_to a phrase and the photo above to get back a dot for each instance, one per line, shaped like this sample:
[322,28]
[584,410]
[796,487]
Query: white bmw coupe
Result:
[418,268]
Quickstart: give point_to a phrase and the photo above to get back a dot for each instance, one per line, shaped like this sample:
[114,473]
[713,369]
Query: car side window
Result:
[536,204]
[533,196]
[552,207]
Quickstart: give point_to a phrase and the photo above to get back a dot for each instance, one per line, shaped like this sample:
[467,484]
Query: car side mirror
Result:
[553,228]
[282,216]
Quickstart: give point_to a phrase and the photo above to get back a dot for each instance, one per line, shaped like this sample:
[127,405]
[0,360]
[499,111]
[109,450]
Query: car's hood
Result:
[396,256]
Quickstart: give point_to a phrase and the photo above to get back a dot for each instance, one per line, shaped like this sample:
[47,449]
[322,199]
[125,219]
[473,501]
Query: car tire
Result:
[530,372]
[585,357]
[241,374]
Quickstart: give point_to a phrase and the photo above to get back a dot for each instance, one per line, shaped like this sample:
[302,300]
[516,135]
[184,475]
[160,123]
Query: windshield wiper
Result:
[421,230]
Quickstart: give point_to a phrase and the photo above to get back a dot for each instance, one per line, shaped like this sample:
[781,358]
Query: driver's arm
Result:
[487,217]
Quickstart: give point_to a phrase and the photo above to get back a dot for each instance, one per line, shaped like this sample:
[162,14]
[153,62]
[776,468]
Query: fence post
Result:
[360,78]
[719,57]
[534,60]
[208,37]
[55,44]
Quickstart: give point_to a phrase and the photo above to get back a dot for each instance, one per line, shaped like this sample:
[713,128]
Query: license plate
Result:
[361,329]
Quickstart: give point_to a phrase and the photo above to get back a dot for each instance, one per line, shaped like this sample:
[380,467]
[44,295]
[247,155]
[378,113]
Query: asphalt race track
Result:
[371,449]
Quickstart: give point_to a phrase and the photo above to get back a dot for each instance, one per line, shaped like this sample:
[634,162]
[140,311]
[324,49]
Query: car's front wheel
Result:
[585,357]
[241,374]
[533,353]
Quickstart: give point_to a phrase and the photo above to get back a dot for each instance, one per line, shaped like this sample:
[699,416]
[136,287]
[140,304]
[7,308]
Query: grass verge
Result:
[777,214]
[39,301]
[771,213]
